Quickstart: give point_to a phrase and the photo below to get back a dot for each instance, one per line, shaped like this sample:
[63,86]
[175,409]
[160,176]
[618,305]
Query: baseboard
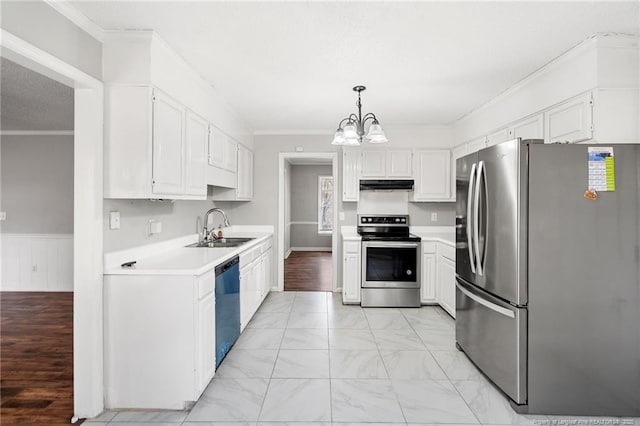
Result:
[287,254]
[310,248]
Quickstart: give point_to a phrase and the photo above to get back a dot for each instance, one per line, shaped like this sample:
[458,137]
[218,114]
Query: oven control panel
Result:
[398,220]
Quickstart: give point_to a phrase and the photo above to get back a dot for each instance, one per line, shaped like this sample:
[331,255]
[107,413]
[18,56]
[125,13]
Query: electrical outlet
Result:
[154,227]
[114,220]
[434,217]
[342,216]
[34,268]
[3,215]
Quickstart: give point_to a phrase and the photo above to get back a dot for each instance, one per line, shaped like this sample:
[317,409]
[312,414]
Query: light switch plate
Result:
[114,220]
[434,217]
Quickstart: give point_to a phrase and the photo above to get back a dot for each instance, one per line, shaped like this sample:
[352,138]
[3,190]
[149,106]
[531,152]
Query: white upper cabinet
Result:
[149,153]
[391,163]
[432,181]
[399,163]
[242,188]
[374,164]
[498,136]
[245,173]
[217,142]
[571,121]
[528,128]
[457,152]
[230,154]
[477,144]
[168,145]
[351,160]
[197,139]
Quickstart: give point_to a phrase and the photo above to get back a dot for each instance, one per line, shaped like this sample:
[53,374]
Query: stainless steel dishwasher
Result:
[227,307]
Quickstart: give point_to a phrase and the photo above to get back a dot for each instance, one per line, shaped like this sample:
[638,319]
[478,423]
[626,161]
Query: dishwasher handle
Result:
[220,269]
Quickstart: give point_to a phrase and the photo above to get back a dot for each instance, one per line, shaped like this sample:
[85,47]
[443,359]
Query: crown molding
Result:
[36,133]
[80,19]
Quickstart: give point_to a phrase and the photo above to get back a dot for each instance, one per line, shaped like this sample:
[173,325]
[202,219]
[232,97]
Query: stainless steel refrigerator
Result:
[548,278]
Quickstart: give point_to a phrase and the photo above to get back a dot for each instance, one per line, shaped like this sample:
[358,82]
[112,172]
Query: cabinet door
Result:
[351,175]
[197,139]
[216,147]
[570,121]
[230,154]
[206,344]
[433,175]
[268,271]
[428,288]
[351,271]
[447,285]
[497,137]
[245,296]
[529,128]
[374,164]
[399,163]
[457,152]
[168,146]
[477,144]
[245,173]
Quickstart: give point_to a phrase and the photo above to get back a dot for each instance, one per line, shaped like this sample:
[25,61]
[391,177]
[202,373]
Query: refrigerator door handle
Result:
[496,308]
[476,218]
[482,260]
[472,177]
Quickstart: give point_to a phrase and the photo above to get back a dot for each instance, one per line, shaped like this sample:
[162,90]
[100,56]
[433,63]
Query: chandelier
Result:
[353,132]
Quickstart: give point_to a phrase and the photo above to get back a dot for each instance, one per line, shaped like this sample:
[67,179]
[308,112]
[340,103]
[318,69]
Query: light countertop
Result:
[442,234]
[173,258]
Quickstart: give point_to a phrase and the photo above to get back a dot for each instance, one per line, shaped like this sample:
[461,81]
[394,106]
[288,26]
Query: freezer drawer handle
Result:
[499,309]
[472,258]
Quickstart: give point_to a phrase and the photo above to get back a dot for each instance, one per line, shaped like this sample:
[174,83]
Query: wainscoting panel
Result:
[37,262]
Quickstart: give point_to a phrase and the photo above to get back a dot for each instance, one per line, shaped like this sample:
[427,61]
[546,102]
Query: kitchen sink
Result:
[222,243]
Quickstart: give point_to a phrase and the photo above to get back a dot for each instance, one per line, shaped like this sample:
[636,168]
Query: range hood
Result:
[387,185]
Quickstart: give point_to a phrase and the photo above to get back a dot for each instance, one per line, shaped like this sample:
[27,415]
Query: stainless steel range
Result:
[390,262]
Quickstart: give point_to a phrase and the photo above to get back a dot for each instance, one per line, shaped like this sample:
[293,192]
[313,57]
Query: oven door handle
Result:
[391,244]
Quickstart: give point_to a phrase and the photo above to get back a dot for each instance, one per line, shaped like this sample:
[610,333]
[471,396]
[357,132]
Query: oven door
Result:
[387,264]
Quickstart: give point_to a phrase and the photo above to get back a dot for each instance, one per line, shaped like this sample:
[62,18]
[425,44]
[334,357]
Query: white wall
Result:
[304,206]
[37,184]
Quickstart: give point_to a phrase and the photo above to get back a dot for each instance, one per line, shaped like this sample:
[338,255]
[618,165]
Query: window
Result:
[325,204]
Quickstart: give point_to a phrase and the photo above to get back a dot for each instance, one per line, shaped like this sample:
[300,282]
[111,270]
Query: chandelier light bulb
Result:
[350,131]
[338,138]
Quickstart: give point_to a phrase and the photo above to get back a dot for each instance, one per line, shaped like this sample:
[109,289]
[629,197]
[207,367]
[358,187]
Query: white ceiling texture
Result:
[291,65]
[32,102]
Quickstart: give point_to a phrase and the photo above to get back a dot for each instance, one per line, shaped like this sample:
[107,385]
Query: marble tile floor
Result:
[307,359]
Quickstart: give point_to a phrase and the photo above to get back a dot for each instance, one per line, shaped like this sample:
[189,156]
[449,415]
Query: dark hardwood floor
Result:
[308,271]
[36,358]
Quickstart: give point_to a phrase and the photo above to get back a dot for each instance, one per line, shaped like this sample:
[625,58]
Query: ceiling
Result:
[291,65]
[32,102]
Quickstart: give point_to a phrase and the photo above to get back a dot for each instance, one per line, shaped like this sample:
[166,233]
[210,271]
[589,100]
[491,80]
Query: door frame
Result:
[88,357]
[283,157]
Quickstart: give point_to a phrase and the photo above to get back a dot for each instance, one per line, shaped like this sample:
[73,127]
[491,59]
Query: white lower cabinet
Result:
[255,280]
[446,291]
[351,271]
[429,283]
[159,340]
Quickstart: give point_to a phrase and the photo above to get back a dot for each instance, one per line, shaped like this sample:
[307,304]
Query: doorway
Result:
[36,157]
[87,251]
[307,217]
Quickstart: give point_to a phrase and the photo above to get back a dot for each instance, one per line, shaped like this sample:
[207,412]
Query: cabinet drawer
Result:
[352,247]
[447,251]
[428,247]
[205,287]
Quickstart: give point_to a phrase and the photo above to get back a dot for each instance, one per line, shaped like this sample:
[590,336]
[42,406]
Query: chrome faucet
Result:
[205,230]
